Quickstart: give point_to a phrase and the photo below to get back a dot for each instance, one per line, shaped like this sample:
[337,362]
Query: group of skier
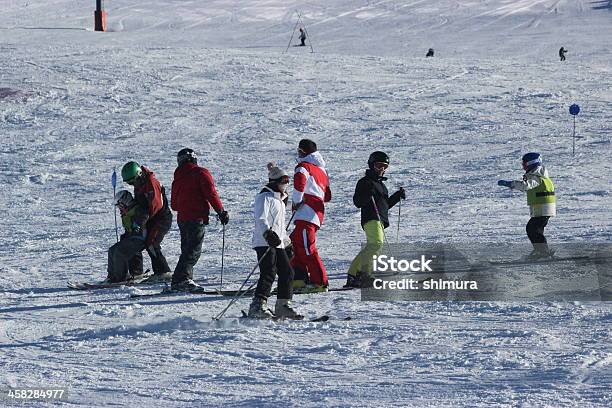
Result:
[294,257]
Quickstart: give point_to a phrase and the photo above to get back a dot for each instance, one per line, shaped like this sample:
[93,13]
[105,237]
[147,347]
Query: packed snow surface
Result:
[218,76]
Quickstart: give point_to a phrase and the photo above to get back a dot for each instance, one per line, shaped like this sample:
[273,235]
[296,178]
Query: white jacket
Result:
[269,213]
[532,179]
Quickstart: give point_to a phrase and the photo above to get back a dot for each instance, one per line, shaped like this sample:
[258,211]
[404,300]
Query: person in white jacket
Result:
[269,241]
[541,200]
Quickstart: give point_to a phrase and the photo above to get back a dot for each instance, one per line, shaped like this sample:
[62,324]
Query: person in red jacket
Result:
[151,222]
[193,193]
[310,193]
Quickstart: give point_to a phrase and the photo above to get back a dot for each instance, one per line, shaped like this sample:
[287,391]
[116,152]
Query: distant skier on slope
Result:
[310,193]
[562,52]
[150,222]
[430,53]
[541,200]
[302,37]
[372,197]
[193,193]
[269,241]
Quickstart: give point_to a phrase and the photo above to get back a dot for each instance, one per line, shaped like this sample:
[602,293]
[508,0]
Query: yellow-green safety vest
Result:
[542,194]
[127,218]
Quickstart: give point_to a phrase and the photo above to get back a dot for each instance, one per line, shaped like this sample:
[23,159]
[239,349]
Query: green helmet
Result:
[130,171]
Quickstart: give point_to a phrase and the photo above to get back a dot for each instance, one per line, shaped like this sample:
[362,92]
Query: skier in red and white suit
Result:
[310,193]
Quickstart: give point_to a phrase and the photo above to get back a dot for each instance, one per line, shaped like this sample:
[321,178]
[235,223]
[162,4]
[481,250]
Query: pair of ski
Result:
[217,292]
[322,318]
[139,279]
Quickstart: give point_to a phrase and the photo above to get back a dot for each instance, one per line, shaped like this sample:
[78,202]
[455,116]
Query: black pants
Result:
[192,235]
[123,257]
[275,262]
[535,229]
[158,260]
[159,226]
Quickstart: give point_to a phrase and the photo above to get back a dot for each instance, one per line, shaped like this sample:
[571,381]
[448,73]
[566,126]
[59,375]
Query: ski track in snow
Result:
[75,104]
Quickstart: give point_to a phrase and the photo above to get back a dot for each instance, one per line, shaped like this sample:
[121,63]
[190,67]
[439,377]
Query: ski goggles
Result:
[381,165]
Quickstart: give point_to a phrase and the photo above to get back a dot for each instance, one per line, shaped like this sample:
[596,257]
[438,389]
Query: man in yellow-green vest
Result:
[541,200]
[372,197]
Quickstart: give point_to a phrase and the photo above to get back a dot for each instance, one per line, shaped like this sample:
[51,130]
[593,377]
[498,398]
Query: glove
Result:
[289,251]
[402,192]
[223,217]
[295,206]
[504,183]
[272,238]
[136,229]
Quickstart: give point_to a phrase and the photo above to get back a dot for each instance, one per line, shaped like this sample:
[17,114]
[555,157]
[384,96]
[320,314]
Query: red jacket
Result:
[311,188]
[149,197]
[193,193]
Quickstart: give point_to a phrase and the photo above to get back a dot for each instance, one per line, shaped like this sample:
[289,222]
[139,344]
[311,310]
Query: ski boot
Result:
[353,281]
[188,285]
[259,309]
[540,252]
[283,310]
[159,277]
[367,281]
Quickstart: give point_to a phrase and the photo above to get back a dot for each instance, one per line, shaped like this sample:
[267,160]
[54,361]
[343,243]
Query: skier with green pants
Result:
[372,197]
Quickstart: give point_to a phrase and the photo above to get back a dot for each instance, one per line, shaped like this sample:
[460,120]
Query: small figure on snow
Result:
[430,53]
[372,197]
[310,193]
[302,37]
[541,200]
[151,220]
[193,193]
[562,52]
[270,241]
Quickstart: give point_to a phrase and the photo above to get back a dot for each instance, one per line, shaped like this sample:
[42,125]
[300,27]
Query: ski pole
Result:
[399,219]
[379,220]
[292,33]
[241,293]
[114,182]
[222,257]
[293,215]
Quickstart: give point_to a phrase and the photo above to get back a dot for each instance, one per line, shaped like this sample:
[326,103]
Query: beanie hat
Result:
[532,159]
[307,146]
[275,173]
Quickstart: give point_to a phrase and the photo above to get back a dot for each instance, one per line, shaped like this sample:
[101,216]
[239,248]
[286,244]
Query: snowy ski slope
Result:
[212,75]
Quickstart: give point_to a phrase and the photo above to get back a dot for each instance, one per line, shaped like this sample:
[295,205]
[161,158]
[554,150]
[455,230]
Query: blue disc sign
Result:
[574,109]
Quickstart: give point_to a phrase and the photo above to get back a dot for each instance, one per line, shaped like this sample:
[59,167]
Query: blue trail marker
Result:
[574,110]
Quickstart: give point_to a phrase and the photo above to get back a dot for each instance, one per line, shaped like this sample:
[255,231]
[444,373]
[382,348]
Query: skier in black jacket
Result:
[372,197]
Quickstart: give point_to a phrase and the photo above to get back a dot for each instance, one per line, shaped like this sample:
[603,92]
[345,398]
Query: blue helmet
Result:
[532,159]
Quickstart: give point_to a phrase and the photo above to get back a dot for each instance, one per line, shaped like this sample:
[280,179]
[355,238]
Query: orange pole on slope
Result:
[99,17]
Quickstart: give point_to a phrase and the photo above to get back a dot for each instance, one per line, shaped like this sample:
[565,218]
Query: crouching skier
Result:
[372,197]
[124,201]
[269,241]
[541,200]
[151,221]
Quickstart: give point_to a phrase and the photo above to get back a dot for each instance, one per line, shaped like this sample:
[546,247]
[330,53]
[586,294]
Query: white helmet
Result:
[124,197]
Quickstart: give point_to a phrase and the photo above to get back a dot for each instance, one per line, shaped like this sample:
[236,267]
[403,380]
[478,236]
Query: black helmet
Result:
[186,155]
[378,157]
